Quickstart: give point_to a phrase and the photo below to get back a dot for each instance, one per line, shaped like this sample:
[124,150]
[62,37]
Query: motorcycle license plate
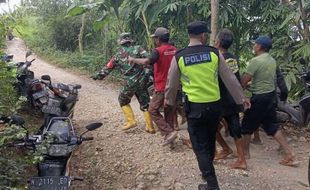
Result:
[51,110]
[40,94]
[49,183]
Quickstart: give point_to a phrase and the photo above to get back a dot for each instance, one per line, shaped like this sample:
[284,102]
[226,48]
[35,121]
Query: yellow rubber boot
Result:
[131,122]
[149,123]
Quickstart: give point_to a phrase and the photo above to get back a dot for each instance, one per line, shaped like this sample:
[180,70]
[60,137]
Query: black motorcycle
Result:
[62,99]
[7,58]
[37,93]
[10,35]
[24,76]
[297,113]
[53,170]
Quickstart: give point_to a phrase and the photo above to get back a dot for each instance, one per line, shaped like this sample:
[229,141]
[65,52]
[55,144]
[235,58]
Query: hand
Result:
[246,104]
[165,103]
[283,97]
[131,60]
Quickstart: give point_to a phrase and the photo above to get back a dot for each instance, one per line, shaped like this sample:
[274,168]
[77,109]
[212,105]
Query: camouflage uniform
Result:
[135,81]
[134,76]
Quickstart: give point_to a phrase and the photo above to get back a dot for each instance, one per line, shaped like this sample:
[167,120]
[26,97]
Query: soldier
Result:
[135,81]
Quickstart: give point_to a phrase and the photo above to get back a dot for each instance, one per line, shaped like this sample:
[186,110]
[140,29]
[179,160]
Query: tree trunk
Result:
[146,25]
[214,20]
[81,34]
[303,15]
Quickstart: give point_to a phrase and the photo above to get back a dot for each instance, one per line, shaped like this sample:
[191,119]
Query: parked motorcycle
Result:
[10,35]
[62,99]
[7,58]
[53,170]
[37,93]
[24,76]
[298,113]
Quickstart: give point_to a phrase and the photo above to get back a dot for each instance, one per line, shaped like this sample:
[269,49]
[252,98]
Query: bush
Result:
[11,165]
[9,100]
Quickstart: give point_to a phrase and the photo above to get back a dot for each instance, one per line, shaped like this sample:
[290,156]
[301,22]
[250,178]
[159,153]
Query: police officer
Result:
[135,81]
[199,68]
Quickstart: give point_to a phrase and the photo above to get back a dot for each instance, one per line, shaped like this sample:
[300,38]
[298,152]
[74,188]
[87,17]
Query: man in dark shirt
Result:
[230,111]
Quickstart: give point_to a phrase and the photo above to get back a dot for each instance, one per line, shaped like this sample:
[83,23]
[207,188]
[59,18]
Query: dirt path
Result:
[135,160]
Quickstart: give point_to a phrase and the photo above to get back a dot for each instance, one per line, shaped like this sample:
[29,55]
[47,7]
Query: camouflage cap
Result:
[124,38]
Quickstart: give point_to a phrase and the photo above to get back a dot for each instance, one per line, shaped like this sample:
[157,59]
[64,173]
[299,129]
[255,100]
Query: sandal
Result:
[289,162]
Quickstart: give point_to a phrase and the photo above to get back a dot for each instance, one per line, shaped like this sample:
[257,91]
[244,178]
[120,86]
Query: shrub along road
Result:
[135,160]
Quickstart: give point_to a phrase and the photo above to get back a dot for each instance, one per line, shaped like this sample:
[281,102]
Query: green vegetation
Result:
[82,34]
[15,163]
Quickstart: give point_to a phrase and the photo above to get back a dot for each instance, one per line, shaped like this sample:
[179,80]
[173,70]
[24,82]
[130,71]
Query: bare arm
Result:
[246,78]
[173,82]
[140,61]
[151,59]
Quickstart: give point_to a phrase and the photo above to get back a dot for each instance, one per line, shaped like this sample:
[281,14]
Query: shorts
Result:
[262,111]
[234,126]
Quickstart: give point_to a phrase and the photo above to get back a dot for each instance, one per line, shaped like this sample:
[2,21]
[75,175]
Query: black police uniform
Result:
[203,118]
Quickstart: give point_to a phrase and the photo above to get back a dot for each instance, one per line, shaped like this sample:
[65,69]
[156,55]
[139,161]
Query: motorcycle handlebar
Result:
[4,119]
[27,144]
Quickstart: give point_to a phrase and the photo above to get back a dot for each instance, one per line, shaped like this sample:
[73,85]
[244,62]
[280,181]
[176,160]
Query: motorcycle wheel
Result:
[282,117]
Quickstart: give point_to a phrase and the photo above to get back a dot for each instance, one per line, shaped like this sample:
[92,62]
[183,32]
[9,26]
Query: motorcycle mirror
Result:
[93,126]
[28,53]
[17,120]
[46,77]
[78,86]
[10,56]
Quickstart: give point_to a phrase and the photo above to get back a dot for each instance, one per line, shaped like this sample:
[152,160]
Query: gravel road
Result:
[134,160]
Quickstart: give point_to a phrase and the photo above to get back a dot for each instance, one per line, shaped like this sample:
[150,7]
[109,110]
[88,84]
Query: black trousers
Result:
[203,121]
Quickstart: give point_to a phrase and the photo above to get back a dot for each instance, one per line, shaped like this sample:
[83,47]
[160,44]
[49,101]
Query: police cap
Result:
[197,27]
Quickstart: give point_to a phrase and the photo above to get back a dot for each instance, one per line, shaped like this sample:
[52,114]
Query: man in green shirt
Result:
[262,72]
